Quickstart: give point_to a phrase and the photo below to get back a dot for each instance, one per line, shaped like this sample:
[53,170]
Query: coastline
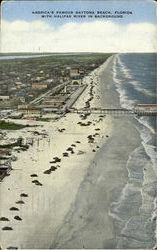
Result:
[89,223]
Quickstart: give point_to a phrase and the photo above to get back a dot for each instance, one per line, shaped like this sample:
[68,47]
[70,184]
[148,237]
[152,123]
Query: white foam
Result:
[144,122]
[125,102]
[125,70]
[137,157]
[151,151]
[138,86]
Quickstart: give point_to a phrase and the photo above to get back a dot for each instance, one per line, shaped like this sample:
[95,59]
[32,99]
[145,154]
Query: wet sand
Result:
[88,224]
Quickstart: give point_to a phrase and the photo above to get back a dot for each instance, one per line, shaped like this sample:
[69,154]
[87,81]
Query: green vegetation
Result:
[11,126]
[57,58]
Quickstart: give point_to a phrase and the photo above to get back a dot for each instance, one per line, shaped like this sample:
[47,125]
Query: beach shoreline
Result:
[89,223]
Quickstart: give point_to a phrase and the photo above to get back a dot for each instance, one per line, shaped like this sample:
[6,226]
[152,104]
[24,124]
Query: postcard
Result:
[78,152]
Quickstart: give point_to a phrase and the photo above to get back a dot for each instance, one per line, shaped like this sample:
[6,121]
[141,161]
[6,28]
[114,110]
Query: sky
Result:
[23,31]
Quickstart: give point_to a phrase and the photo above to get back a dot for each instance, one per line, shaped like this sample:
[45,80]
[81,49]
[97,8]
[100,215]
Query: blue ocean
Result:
[135,211]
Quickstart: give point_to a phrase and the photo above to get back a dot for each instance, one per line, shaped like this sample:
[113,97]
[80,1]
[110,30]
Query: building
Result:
[76,82]
[39,86]
[18,83]
[82,72]
[27,117]
[146,109]
[4,98]
[22,99]
[5,153]
[23,106]
[74,72]
[30,110]
[55,100]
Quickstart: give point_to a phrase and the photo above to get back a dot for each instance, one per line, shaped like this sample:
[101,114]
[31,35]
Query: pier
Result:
[113,111]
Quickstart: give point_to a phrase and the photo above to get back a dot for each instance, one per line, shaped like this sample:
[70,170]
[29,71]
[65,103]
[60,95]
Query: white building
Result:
[4,98]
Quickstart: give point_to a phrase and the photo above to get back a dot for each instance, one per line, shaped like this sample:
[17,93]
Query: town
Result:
[38,89]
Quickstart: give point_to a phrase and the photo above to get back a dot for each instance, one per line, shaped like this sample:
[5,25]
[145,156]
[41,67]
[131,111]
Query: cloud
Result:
[96,36]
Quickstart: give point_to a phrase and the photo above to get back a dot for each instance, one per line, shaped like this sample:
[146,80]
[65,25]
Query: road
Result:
[49,92]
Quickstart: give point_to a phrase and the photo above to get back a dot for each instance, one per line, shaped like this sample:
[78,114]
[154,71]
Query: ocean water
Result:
[135,210]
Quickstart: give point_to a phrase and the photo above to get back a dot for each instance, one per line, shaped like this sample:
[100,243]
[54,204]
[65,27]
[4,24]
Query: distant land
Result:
[47,53]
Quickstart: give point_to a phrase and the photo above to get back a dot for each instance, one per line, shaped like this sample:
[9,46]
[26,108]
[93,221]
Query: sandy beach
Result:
[89,223]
